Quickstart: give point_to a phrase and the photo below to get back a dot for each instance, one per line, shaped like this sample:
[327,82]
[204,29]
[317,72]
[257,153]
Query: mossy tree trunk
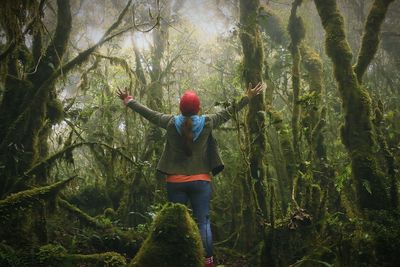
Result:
[358,133]
[24,143]
[314,121]
[279,137]
[29,104]
[253,70]
[155,90]
[296,31]
[28,144]
[281,149]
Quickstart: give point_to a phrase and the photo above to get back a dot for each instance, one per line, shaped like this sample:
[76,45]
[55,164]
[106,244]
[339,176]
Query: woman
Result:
[191,154]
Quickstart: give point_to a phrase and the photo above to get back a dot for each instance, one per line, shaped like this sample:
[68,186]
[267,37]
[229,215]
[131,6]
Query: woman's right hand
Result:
[252,92]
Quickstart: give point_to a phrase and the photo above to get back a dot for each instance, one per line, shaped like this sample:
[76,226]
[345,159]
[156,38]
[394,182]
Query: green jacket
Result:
[205,157]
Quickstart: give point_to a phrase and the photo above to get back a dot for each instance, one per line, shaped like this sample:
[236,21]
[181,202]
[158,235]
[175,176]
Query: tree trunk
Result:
[358,133]
[296,31]
[253,67]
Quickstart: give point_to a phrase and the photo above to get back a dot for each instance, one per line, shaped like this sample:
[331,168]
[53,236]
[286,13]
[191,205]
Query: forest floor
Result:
[230,258]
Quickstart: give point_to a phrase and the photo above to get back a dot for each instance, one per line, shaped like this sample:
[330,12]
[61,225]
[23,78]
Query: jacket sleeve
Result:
[159,119]
[224,115]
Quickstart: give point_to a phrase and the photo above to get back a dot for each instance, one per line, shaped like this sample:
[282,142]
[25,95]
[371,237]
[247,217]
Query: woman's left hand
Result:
[124,95]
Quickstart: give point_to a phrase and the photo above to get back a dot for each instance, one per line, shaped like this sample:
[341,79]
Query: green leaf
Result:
[367,186]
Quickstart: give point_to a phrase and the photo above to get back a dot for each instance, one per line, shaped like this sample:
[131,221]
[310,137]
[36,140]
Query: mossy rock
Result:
[174,240]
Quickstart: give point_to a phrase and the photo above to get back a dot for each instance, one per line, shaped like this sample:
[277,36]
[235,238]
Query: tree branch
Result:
[371,37]
[26,198]
[46,85]
[81,215]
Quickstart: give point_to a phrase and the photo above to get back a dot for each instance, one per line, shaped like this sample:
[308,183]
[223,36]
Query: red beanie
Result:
[189,103]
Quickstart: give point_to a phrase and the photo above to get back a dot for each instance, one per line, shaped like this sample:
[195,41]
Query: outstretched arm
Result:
[223,116]
[158,118]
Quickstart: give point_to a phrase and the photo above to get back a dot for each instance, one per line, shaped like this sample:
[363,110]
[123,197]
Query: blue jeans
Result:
[199,195]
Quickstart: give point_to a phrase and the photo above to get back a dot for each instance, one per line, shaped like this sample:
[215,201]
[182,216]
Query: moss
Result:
[174,241]
[297,32]
[110,213]
[28,198]
[107,259]
[371,37]
[51,255]
[92,198]
[83,217]
[358,134]
[272,25]
[56,255]
[296,27]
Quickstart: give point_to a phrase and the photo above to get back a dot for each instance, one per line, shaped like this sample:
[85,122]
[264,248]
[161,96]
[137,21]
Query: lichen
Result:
[174,241]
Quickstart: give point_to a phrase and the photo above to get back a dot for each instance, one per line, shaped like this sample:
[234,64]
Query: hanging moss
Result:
[174,241]
[272,25]
[296,27]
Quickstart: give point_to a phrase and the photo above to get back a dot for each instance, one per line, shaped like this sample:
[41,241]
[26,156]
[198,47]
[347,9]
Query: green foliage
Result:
[51,255]
[118,196]
[283,246]
[9,257]
[92,198]
[174,241]
[371,241]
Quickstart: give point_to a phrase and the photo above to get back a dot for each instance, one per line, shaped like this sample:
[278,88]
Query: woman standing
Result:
[191,154]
